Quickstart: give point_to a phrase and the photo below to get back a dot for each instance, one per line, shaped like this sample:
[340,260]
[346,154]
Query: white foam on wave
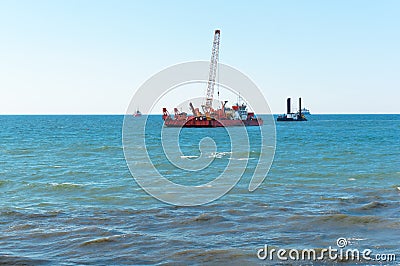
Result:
[219,155]
[65,184]
[242,159]
[189,156]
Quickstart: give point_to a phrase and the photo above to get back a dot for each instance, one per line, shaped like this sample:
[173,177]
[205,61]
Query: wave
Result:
[219,155]
[189,156]
[245,159]
[107,148]
[373,205]
[229,256]
[205,218]
[4,182]
[20,227]
[344,219]
[19,260]
[55,186]
[102,240]
[26,214]
[20,151]
[66,185]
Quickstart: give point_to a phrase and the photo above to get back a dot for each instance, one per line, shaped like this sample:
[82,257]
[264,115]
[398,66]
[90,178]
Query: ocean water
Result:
[67,196]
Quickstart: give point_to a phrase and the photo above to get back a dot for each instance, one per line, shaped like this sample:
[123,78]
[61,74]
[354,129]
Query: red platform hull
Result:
[203,122]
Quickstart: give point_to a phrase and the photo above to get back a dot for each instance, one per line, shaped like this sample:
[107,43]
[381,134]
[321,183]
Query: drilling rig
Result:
[221,117]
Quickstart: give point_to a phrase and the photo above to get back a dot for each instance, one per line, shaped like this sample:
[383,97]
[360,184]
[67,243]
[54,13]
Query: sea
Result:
[67,196]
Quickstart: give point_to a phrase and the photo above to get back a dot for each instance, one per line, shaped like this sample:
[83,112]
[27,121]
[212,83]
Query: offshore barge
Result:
[289,116]
[223,117]
[210,117]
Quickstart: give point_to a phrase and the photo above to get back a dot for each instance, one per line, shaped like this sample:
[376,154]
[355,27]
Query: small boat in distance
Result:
[289,116]
[137,113]
[305,111]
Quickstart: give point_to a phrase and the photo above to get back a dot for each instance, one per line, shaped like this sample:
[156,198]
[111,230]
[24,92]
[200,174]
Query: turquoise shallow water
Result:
[67,196]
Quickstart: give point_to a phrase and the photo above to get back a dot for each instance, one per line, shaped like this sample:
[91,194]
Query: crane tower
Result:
[207,108]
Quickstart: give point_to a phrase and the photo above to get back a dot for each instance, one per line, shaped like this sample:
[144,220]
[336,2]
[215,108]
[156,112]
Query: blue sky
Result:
[89,57]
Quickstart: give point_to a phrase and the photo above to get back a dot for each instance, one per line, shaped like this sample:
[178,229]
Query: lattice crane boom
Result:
[213,73]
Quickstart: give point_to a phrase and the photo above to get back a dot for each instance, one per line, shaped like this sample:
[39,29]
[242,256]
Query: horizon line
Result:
[119,114]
